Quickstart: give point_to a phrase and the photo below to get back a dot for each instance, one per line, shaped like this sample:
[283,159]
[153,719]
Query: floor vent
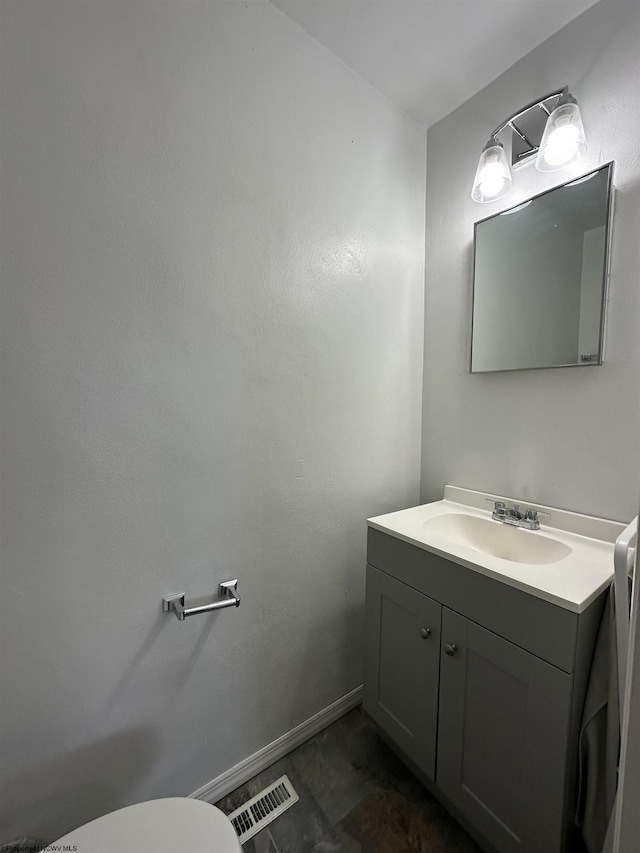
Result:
[260,810]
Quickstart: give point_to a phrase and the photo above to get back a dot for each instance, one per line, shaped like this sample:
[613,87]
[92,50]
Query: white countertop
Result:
[572,582]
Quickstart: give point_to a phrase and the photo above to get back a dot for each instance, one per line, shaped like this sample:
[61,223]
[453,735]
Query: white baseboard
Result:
[231,779]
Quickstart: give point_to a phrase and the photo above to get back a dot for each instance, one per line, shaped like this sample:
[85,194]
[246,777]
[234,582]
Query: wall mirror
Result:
[539,281]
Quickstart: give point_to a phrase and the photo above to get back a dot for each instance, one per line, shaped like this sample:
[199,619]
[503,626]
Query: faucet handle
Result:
[531,520]
[499,509]
[532,514]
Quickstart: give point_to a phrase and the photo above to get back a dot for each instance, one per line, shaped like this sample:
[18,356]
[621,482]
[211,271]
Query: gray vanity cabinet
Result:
[504,718]
[479,686]
[401,682]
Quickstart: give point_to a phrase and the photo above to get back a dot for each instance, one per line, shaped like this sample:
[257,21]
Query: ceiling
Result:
[430,56]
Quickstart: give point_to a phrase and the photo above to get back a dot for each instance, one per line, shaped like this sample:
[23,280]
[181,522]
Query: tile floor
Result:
[355,797]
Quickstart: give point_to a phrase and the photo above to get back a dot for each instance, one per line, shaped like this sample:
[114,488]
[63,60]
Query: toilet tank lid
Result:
[171,825]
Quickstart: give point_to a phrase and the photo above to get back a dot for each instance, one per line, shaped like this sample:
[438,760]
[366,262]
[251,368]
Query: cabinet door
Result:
[502,739]
[402,661]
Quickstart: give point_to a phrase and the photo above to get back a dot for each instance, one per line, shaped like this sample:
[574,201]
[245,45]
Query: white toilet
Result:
[172,825]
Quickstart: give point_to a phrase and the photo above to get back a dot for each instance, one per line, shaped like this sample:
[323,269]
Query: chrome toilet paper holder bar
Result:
[227,591]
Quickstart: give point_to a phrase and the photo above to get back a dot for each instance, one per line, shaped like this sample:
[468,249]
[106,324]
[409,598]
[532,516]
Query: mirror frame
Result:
[605,272]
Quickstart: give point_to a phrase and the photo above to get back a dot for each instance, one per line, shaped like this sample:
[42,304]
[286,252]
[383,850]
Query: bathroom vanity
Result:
[477,661]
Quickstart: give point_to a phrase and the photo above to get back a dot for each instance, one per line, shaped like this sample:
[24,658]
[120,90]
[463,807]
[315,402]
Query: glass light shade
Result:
[493,176]
[563,141]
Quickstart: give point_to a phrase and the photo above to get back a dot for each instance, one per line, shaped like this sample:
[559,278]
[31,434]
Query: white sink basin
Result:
[568,562]
[496,538]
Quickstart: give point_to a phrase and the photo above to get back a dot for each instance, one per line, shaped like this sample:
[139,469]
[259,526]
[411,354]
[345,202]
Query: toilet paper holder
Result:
[227,591]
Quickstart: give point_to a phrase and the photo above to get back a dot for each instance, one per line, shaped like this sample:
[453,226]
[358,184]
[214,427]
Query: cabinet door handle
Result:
[450,649]
[425,633]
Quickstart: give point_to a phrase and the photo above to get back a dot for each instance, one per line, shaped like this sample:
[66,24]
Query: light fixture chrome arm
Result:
[541,102]
[523,136]
[227,590]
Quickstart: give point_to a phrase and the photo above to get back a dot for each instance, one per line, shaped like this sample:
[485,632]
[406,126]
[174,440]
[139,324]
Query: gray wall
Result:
[212,250]
[566,437]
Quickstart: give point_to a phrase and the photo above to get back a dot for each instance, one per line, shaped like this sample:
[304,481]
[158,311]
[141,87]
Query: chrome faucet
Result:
[514,516]
[515,513]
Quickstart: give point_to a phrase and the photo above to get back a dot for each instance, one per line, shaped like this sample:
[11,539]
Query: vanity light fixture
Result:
[493,175]
[563,140]
[550,130]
